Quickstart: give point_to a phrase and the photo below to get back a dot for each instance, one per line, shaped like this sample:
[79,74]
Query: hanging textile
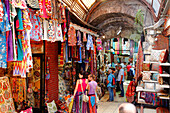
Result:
[18,89]
[120,46]
[136,48]
[125,46]
[4,27]
[89,43]
[79,43]
[95,59]
[1,12]
[33,4]
[6,100]
[113,46]
[19,4]
[99,44]
[62,54]
[72,40]
[80,55]
[84,37]
[9,35]
[36,32]
[131,48]
[139,62]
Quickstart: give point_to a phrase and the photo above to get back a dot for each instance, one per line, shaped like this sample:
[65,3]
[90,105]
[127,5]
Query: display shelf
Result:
[161,94]
[149,62]
[165,64]
[166,98]
[150,81]
[146,90]
[165,75]
[164,86]
[151,71]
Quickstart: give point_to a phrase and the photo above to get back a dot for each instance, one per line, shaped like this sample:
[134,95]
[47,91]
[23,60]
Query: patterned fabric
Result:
[58,32]
[29,110]
[146,67]
[155,76]
[72,40]
[139,62]
[4,27]
[19,4]
[6,101]
[155,67]
[130,92]
[79,43]
[1,12]
[155,54]
[89,43]
[43,12]
[33,3]
[51,30]
[163,56]
[18,89]
[84,37]
[125,46]
[146,76]
[149,97]
[52,108]
[35,21]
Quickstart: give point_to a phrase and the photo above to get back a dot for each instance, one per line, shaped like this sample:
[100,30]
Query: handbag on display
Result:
[85,97]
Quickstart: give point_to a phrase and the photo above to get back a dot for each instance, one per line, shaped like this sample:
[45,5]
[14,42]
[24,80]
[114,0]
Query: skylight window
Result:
[88,3]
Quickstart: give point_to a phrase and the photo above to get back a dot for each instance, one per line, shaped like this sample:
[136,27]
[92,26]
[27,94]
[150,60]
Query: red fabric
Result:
[139,62]
[130,91]
[128,68]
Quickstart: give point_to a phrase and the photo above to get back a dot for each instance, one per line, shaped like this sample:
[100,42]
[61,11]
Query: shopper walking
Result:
[121,80]
[81,85]
[110,86]
[92,86]
[114,83]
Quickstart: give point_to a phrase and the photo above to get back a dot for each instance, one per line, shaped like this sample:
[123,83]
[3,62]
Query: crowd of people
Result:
[111,79]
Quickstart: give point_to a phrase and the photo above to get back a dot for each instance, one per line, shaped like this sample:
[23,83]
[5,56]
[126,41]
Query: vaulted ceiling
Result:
[107,16]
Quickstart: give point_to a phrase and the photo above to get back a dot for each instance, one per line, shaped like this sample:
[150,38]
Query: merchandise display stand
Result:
[164,96]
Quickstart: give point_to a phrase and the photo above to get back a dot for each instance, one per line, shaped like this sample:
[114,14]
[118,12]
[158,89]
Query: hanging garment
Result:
[51,30]
[84,37]
[80,55]
[4,27]
[79,43]
[89,43]
[34,34]
[120,46]
[43,12]
[72,40]
[131,48]
[19,4]
[1,12]
[136,48]
[9,37]
[58,32]
[113,46]
[139,62]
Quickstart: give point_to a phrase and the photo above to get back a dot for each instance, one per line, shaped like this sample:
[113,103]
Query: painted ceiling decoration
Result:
[108,15]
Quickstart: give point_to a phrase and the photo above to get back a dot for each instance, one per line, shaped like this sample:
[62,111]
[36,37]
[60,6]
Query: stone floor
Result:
[112,107]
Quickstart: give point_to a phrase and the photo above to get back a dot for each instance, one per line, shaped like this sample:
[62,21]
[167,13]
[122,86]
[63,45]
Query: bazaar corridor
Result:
[84,56]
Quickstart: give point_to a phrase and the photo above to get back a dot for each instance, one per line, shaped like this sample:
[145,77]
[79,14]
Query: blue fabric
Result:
[111,96]
[122,89]
[20,51]
[80,55]
[4,26]
[92,100]
[89,43]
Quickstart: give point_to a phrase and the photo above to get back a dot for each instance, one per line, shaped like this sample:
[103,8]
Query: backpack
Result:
[113,81]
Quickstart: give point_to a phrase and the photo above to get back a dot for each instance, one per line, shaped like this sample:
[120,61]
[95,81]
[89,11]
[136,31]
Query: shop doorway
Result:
[36,84]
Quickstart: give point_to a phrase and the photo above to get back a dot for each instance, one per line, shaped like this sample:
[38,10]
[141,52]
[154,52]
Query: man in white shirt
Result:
[121,79]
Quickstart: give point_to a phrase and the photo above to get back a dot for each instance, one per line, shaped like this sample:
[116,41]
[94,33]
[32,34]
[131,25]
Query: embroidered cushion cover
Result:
[146,75]
[52,108]
[163,56]
[146,67]
[155,54]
